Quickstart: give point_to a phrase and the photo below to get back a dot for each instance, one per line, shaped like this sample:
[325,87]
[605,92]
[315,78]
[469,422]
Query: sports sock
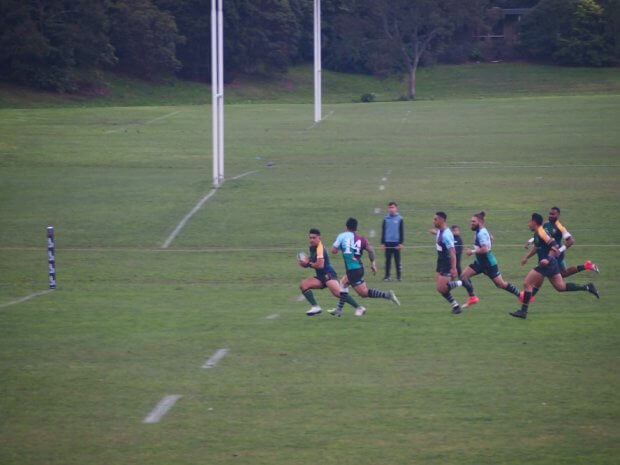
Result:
[469,286]
[450,298]
[455,284]
[526,300]
[570,287]
[513,290]
[535,291]
[351,301]
[378,294]
[580,268]
[343,298]
[310,297]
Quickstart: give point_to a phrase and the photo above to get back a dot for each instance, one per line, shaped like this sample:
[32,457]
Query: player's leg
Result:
[501,284]
[334,287]
[465,280]
[306,287]
[534,279]
[558,283]
[362,289]
[588,265]
[442,281]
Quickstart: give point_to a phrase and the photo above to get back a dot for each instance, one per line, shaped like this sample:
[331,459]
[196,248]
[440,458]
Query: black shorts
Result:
[355,277]
[443,268]
[549,270]
[325,276]
[491,271]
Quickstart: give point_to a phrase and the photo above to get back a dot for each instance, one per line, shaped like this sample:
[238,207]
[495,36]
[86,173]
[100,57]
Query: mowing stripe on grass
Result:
[161,409]
[28,297]
[215,358]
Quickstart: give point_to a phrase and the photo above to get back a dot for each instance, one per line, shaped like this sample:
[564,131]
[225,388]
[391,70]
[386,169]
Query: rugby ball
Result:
[301,256]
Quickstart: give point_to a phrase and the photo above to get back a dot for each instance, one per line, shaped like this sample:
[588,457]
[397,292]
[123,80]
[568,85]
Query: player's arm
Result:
[371,256]
[319,264]
[529,255]
[453,262]
[383,234]
[568,238]
[401,233]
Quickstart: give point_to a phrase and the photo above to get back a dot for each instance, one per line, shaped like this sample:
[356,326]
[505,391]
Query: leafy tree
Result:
[568,32]
[144,37]
[54,44]
[399,33]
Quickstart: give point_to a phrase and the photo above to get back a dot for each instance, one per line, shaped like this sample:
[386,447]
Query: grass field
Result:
[130,322]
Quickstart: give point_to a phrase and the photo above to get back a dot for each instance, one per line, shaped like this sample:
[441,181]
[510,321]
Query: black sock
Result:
[468,285]
[513,290]
[378,294]
[580,268]
[343,299]
[535,291]
[570,287]
[526,301]
[450,299]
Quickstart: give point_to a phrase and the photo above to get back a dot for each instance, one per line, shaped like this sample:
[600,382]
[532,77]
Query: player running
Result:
[351,252]
[547,249]
[325,274]
[557,231]
[485,262]
[446,260]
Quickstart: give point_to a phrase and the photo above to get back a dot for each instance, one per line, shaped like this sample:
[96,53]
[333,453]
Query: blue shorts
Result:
[560,260]
[326,274]
[491,271]
[549,270]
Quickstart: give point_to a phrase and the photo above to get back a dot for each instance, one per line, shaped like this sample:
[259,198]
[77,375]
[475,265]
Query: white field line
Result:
[283,249]
[243,174]
[161,409]
[464,166]
[272,316]
[110,131]
[377,210]
[381,187]
[193,211]
[372,233]
[215,358]
[317,122]
[176,231]
[24,299]
[405,117]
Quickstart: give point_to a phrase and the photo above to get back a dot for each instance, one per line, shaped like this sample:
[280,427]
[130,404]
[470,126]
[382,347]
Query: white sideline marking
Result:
[406,116]
[383,179]
[273,316]
[110,131]
[372,233]
[381,187]
[317,122]
[198,206]
[161,409]
[505,166]
[377,211]
[186,218]
[216,357]
[243,174]
[28,297]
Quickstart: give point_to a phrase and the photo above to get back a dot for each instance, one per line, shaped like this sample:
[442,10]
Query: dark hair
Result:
[352,224]
[454,226]
[538,219]
[557,209]
[442,214]
[480,215]
[314,231]
[392,203]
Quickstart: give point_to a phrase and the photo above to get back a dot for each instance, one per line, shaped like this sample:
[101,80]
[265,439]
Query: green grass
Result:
[130,323]
[435,83]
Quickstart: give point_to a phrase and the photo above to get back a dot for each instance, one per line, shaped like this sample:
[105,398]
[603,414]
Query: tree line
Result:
[66,45]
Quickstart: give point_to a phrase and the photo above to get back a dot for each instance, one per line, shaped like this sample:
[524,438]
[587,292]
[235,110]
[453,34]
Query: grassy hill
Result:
[436,83]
